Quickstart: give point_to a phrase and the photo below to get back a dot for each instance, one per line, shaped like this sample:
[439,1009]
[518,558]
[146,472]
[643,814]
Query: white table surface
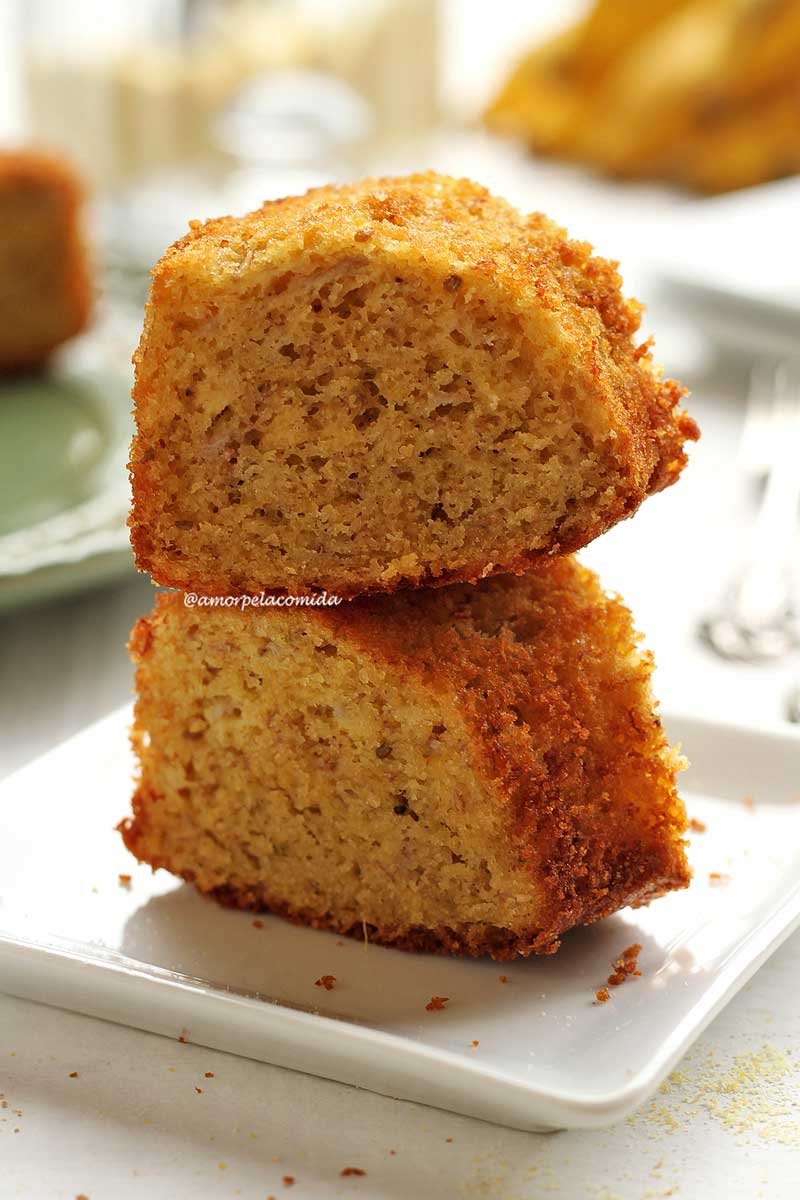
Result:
[132,1123]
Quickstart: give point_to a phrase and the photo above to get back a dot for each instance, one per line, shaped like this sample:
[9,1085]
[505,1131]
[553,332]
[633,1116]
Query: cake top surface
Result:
[440,222]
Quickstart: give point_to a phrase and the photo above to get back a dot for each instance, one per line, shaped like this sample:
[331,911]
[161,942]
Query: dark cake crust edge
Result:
[493,941]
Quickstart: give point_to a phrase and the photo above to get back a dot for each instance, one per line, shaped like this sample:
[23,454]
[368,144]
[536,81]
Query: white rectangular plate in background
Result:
[157,956]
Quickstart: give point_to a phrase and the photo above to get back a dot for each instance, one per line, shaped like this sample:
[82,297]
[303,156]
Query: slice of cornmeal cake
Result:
[466,769]
[395,383]
[45,289]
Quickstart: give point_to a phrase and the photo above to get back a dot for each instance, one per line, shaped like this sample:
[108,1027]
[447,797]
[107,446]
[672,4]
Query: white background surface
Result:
[131,1124]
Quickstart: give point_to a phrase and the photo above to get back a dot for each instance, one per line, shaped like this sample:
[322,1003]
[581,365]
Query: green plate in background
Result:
[64,493]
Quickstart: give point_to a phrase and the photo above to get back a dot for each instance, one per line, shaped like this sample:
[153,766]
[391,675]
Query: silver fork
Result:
[757,619]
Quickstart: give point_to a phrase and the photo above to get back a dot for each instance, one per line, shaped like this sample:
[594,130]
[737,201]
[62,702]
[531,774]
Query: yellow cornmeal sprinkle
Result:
[755,1097]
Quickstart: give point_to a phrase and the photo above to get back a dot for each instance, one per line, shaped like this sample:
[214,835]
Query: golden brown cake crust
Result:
[545,672]
[450,229]
[506,685]
[37,171]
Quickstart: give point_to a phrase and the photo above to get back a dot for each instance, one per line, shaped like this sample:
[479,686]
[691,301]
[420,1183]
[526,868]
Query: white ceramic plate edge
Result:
[161,1002]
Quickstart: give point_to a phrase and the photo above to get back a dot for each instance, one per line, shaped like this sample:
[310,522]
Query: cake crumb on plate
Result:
[436,1003]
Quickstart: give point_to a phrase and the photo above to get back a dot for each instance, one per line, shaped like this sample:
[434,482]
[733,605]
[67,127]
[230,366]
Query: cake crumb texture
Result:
[395,383]
[465,769]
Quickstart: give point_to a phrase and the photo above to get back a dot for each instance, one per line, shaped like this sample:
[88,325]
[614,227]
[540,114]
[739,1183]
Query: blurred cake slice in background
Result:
[697,92]
[466,769]
[44,275]
[544,99]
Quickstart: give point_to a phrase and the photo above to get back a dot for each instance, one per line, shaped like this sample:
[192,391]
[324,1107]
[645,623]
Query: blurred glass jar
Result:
[129,88]
[183,109]
[126,88]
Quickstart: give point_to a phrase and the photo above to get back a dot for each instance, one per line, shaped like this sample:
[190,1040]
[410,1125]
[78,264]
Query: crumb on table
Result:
[436,1003]
[326,981]
[696,826]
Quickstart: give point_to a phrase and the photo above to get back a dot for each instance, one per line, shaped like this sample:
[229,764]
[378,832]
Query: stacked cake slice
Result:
[403,396]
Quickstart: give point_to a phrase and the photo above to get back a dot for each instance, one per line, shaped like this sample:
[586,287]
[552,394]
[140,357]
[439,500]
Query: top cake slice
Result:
[389,384]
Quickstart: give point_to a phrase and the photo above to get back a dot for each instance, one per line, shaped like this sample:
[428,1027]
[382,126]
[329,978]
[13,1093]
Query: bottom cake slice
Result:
[468,769]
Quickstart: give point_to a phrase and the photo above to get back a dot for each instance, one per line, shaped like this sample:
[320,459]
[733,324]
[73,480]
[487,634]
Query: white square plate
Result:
[159,957]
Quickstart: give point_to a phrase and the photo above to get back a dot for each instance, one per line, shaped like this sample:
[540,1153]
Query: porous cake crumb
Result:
[399,382]
[529,787]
